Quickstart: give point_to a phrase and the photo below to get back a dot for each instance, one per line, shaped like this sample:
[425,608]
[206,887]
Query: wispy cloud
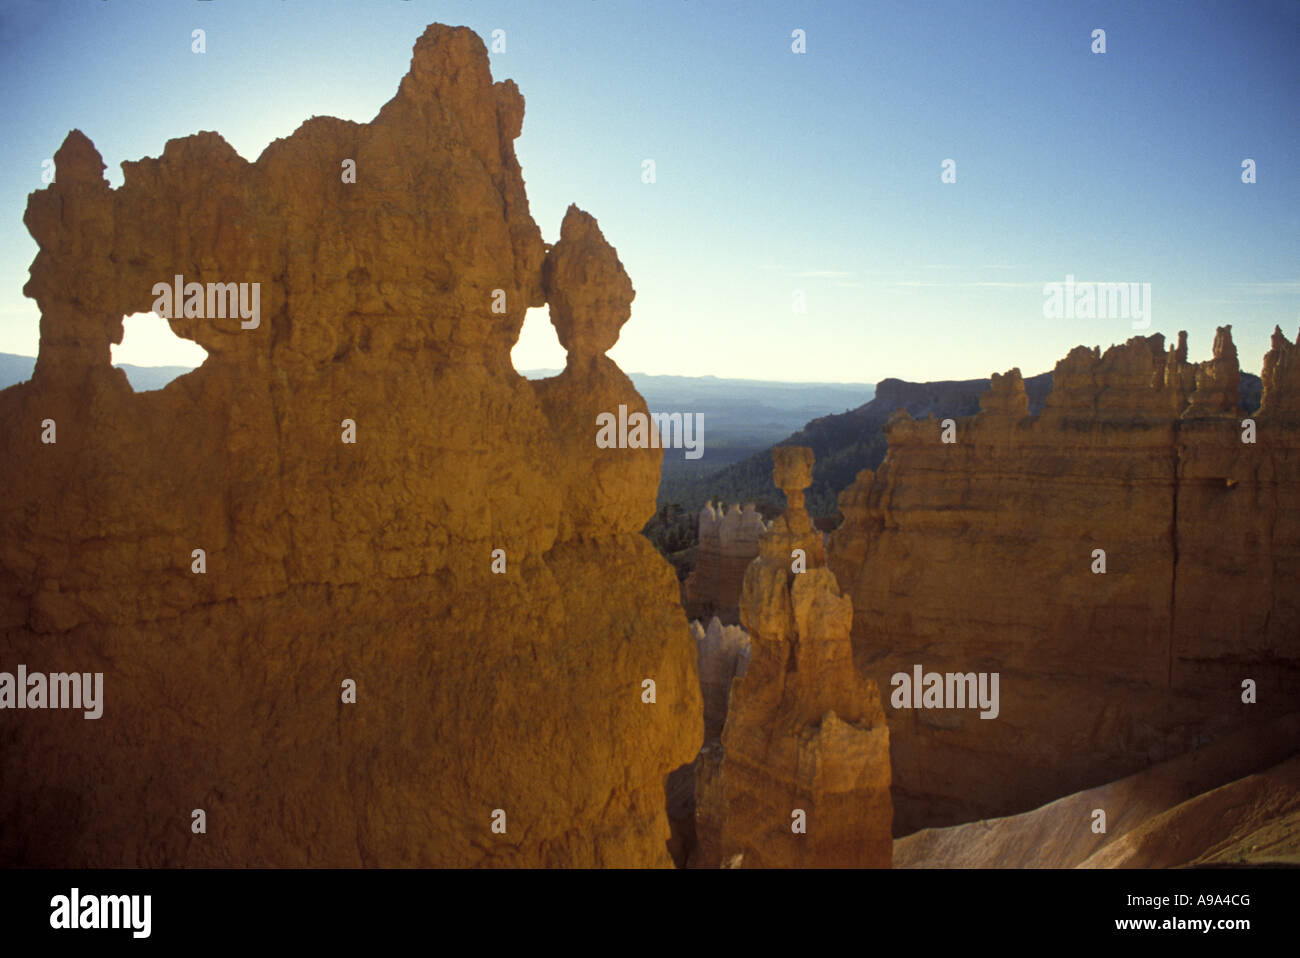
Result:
[970,285]
[972,269]
[1286,286]
[822,274]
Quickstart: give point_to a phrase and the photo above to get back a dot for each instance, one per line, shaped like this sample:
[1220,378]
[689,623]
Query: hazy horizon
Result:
[554,370]
[526,373]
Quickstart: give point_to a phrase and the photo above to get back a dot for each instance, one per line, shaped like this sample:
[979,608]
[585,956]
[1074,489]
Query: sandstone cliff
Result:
[801,776]
[519,690]
[980,555]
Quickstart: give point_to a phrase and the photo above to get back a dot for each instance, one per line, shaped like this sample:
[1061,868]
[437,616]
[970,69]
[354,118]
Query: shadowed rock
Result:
[392,302]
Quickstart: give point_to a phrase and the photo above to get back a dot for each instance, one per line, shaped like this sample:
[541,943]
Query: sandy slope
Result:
[1235,801]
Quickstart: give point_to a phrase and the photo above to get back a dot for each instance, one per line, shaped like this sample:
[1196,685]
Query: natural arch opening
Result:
[538,353]
[152,355]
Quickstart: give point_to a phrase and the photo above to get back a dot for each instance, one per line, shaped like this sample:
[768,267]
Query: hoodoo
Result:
[801,778]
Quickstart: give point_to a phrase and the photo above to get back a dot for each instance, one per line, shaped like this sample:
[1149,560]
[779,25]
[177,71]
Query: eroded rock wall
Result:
[979,555]
[518,690]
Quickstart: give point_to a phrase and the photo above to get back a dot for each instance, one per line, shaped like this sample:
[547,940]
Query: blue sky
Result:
[776,172]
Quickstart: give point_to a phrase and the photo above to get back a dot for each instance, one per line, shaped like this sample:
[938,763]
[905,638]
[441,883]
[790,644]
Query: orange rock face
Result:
[501,714]
[801,778]
[1124,560]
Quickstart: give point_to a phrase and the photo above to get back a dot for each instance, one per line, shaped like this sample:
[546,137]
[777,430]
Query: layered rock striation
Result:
[1127,561]
[801,775]
[469,560]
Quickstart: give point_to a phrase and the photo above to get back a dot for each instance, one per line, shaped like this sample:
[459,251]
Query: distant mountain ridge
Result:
[753,407]
[18,369]
[735,410]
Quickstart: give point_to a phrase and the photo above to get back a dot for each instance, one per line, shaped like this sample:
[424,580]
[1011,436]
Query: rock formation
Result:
[985,555]
[801,777]
[728,543]
[724,652]
[471,562]
[723,657]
